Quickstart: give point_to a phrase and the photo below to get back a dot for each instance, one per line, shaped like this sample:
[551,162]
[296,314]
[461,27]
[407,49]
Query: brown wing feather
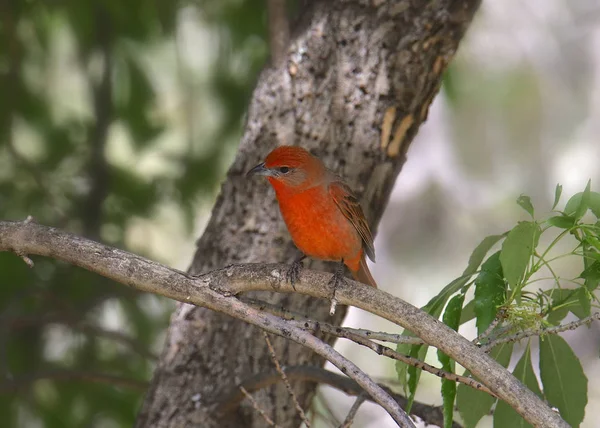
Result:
[350,207]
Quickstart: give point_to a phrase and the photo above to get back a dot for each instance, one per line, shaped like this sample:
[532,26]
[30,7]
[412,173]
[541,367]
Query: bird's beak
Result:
[259,169]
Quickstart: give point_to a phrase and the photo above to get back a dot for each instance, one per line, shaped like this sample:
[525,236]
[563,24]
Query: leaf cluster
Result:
[502,293]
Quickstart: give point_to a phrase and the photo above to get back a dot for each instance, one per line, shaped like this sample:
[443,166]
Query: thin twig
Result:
[389,352]
[27,260]
[540,332]
[491,327]
[311,325]
[327,414]
[256,407]
[365,340]
[286,382]
[229,400]
[352,413]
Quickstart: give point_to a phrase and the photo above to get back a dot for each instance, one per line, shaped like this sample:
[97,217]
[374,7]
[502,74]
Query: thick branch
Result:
[217,290]
[145,275]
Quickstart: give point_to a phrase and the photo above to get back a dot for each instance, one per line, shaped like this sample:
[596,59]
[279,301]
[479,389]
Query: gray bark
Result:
[357,83]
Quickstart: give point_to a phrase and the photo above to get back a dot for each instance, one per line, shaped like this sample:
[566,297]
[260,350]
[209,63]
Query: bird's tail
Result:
[363,274]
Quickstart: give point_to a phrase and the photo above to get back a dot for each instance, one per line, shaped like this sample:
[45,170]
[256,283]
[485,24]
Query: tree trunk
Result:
[354,87]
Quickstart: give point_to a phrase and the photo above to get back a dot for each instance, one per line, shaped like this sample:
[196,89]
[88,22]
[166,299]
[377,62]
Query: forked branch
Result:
[217,290]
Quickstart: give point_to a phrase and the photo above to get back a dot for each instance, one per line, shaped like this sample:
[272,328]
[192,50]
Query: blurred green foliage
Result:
[80,81]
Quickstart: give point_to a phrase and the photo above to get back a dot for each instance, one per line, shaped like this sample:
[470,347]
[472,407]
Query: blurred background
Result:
[119,119]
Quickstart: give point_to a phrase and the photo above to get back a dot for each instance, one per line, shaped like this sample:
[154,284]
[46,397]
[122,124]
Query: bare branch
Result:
[26,259]
[286,382]
[228,401]
[487,347]
[309,324]
[491,327]
[388,352]
[352,413]
[256,407]
[14,384]
[365,337]
[216,290]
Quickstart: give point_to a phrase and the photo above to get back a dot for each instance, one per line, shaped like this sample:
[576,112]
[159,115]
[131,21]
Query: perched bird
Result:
[322,214]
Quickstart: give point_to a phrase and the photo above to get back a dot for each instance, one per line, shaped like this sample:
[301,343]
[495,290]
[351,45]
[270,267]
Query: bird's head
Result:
[291,168]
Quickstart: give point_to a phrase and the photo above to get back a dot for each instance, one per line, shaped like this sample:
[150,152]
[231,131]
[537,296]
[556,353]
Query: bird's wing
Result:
[350,207]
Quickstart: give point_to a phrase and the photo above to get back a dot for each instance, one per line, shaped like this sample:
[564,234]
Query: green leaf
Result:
[593,242]
[451,318]
[453,312]
[557,193]
[517,249]
[565,383]
[409,376]
[584,203]
[594,203]
[477,256]
[473,404]
[573,203]
[561,221]
[524,202]
[481,251]
[565,300]
[580,202]
[593,255]
[490,292]
[591,275]
[506,416]
[585,303]
[468,312]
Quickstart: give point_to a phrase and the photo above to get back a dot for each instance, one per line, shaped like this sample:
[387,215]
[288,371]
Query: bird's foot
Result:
[336,280]
[293,273]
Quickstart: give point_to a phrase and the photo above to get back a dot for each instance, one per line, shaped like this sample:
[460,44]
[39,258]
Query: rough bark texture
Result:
[357,83]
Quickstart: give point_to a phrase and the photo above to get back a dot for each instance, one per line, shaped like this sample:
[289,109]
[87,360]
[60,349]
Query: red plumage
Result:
[324,218]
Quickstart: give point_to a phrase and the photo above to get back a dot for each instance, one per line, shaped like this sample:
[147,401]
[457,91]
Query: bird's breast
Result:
[317,226]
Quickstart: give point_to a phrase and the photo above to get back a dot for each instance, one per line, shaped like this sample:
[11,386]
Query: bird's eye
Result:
[284,169]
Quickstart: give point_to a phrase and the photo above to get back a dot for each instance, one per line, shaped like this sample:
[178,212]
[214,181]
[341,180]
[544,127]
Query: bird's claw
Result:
[337,279]
[293,273]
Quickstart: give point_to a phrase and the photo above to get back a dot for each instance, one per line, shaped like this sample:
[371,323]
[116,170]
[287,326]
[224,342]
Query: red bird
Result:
[322,214]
